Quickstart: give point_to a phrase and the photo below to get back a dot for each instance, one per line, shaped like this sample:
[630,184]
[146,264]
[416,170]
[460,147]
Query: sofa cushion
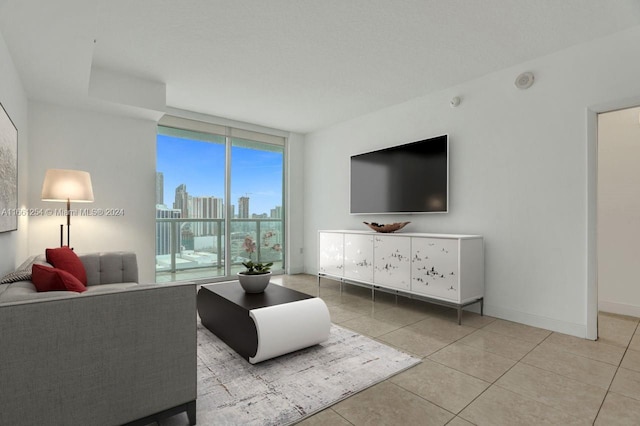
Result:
[25,291]
[64,258]
[54,279]
[110,267]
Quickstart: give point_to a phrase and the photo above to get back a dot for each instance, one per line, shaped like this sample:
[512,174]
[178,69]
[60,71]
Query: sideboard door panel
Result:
[331,253]
[358,257]
[434,266]
[391,259]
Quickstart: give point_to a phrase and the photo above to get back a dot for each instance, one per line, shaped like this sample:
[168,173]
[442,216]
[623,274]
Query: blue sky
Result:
[200,165]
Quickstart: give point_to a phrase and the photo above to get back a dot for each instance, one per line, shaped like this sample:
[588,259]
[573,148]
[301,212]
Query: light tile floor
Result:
[485,372]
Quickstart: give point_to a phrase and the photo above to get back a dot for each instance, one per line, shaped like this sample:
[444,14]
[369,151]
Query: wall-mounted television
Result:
[409,178]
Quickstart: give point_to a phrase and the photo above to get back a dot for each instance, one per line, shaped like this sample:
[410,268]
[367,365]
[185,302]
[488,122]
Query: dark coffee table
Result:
[260,326]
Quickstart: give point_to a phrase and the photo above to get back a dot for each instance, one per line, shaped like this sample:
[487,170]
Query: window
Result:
[220,200]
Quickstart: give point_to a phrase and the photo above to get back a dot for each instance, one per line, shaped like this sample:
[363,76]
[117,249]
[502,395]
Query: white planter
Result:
[254,283]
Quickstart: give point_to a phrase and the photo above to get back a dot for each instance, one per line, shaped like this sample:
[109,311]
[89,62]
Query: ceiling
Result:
[296,65]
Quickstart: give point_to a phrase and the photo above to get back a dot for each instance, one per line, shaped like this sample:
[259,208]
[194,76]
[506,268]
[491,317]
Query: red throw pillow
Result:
[53,279]
[64,258]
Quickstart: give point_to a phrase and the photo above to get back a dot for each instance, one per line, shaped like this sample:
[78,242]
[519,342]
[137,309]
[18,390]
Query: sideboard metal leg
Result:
[460,315]
[482,306]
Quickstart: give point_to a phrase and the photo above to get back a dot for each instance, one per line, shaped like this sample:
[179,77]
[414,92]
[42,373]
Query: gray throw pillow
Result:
[23,272]
[15,276]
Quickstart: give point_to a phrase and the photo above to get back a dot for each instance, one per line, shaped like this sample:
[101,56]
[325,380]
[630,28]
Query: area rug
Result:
[289,388]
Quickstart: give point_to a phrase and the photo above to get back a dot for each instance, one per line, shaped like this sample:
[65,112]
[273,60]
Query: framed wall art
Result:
[8,173]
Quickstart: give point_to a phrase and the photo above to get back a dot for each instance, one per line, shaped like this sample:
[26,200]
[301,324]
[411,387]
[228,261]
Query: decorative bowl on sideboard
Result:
[390,227]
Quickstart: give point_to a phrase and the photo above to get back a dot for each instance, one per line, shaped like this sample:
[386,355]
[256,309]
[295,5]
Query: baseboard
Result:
[294,271]
[578,330]
[619,308]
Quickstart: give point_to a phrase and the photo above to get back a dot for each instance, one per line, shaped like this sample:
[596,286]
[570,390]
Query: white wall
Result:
[13,245]
[518,174]
[619,211]
[295,204]
[120,154]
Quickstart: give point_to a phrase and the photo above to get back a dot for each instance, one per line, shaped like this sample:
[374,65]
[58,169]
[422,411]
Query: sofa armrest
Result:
[101,359]
[110,267]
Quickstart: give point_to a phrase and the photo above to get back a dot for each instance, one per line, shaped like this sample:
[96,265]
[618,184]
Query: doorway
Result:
[618,211]
[593,112]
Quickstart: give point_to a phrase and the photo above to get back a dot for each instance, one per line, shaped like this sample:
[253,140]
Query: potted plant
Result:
[256,277]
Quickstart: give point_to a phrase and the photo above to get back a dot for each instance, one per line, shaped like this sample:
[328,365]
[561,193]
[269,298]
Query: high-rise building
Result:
[276,213]
[163,230]
[218,208]
[243,208]
[187,237]
[182,200]
[159,188]
[206,208]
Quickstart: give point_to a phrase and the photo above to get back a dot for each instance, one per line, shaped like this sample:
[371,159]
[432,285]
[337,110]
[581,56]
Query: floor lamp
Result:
[67,186]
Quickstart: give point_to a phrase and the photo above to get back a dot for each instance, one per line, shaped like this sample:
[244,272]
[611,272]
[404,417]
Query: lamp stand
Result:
[68,222]
[68,226]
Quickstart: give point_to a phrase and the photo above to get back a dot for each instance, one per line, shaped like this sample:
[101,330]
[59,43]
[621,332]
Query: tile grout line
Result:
[494,383]
[339,415]
[461,372]
[615,374]
[422,398]
[569,353]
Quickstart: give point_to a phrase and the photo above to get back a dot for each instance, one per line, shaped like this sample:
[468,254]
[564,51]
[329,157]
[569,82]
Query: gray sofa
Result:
[118,353]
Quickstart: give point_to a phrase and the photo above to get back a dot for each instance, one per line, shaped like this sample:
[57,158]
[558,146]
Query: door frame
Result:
[592,206]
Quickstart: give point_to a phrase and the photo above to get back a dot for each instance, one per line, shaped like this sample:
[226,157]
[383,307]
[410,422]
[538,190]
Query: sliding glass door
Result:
[257,227]
[217,188]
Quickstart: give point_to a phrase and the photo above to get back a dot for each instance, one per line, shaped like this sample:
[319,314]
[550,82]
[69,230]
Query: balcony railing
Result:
[195,248]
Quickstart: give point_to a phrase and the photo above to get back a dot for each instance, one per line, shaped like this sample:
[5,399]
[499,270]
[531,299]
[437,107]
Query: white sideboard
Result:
[446,269]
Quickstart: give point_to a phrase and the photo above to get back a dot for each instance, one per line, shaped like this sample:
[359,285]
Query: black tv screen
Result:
[409,178]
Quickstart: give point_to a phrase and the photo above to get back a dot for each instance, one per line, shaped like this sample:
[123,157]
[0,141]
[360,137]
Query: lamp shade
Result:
[63,185]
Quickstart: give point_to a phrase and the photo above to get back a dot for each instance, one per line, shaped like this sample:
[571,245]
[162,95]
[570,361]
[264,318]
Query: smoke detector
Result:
[524,80]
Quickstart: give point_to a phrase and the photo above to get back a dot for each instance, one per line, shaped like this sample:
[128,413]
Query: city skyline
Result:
[200,166]
[189,204]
